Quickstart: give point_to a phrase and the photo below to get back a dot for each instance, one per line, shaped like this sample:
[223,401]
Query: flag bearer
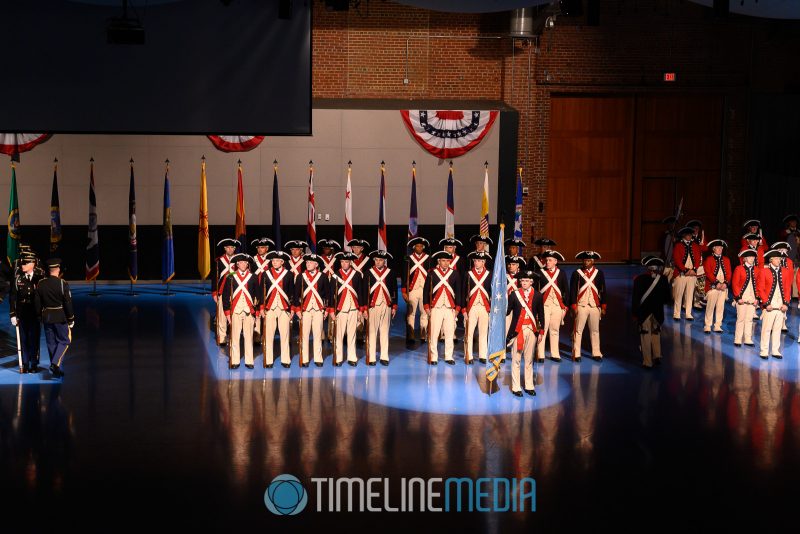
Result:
[527,316]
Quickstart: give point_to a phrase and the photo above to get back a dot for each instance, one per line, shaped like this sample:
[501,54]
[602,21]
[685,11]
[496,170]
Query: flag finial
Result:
[204,157]
[311,163]
[350,163]
[131,160]
[239,162]
[485,163]
[166,161]
[55,160]
[451,163]
[91,160]
[383,163]
[275,162]
[414,163]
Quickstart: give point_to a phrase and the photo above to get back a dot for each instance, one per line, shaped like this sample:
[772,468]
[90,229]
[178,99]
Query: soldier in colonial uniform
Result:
[588,298]
[22,309]
[417,266]
[442,302]
[786,262]
[744,297]
[477,293]
[312,297]
[514,265]
[514,246]
[380,291]
[773,287]
[329,253]
[753,226]
[698,234]
[225,267]
[54,306]
[241,300]
[481,244]
[537,261]
[527,317]
[296,249]
[359,247]
[718,277]
[555,296]
[791,235]
[458,263]
[262,245]
[347,294]
[752,243]
[277,288]
[651,292]
[686,258]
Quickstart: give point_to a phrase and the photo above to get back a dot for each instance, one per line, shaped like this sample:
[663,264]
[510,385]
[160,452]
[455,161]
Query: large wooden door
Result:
[589,175]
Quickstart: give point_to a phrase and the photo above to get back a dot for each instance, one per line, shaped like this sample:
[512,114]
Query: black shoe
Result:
[385,363]
[351,364]
[318,364]
[372,364]
[750,344]
[268,366]
[706,332]
[648,367]
[517,393]
[450,362]
[23,370]
[531,392]
[657,361]
[304,364]
[235,366]
[471,362]
[337,364]
[719,331]
[435,362]
[249,365]
[483,360]
[690,318]
[764,357]
[737,344]
[557,360]
[777,356]
[56,371]
[576,359]
[676,319]
[784,329]
[502,361]
[286,365]
[597,358]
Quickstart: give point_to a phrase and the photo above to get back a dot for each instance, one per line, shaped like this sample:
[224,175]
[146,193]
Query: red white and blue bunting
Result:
[16,143]
[448,133]
[236,143]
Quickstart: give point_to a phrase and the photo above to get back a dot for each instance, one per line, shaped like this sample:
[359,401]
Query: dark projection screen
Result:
[206,67]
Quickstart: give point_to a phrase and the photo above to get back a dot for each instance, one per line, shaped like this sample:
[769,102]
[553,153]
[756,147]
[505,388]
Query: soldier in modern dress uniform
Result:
[380,290]
[54,306]
[651,292]
[527,317]
[22,309]
[241,300]
[588,297]
[442,302]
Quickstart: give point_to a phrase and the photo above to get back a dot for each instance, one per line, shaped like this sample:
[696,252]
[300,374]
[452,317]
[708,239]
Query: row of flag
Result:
[203,246]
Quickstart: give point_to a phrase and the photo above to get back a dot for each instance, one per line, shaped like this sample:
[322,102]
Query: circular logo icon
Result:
[285,496]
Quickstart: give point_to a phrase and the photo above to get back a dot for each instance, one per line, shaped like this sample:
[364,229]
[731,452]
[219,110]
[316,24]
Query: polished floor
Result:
[149,428]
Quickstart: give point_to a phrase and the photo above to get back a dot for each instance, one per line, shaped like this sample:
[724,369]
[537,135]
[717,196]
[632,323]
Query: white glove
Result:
[14,321]
[71,325]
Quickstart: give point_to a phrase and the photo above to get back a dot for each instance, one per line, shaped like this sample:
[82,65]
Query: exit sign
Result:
[669,76]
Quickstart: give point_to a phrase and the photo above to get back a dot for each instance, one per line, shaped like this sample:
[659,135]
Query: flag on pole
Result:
[311,227]
[413,220]
[348,210]
[497,317]
[276,208]
[241,228]
[55,214]
[518,208]
[203,248]
[14,231]
[93,246]
[133,260]
[450,211]
[382,211]
[484,226]
[167,250]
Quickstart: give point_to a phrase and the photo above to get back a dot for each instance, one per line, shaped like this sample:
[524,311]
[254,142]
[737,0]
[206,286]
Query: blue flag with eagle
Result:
[497,317]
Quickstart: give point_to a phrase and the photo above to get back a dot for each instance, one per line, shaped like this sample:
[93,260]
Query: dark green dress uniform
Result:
[54,305]
[22,308]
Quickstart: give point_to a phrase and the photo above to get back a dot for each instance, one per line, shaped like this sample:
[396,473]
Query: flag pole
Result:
[202,281]
[132,293]
[169,293]
[94,292]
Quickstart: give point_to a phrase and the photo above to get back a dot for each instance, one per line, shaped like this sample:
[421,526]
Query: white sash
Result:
[312,289]
[589,283]
[275,285]
[380,284]
[551,282]
[650,289]
[478,285]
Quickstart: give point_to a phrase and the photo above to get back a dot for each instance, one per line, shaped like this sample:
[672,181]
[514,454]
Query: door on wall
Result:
[618,165]
[589,175]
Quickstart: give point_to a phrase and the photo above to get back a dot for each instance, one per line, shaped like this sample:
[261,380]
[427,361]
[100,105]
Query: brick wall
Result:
[367,52]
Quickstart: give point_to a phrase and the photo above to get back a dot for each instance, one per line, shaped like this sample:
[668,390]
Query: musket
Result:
[263,320]
[430,293]
[466,336]
[300,322]
[678,213]
[216,320]
[229,327]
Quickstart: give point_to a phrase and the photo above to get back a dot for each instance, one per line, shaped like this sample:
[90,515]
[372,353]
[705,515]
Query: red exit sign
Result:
[669,76]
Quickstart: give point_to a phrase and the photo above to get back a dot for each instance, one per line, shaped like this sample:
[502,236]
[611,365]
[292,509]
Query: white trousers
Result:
[591,315]
[276,319]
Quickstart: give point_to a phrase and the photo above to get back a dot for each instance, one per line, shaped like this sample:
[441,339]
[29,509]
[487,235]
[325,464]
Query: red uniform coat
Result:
[710,266]
[766,284]
[741,277]
[680,252]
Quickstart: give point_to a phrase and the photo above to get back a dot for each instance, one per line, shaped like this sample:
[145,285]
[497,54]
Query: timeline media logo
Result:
[285,495]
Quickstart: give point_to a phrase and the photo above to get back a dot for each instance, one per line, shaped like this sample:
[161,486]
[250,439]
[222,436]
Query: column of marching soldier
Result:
[357,292]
